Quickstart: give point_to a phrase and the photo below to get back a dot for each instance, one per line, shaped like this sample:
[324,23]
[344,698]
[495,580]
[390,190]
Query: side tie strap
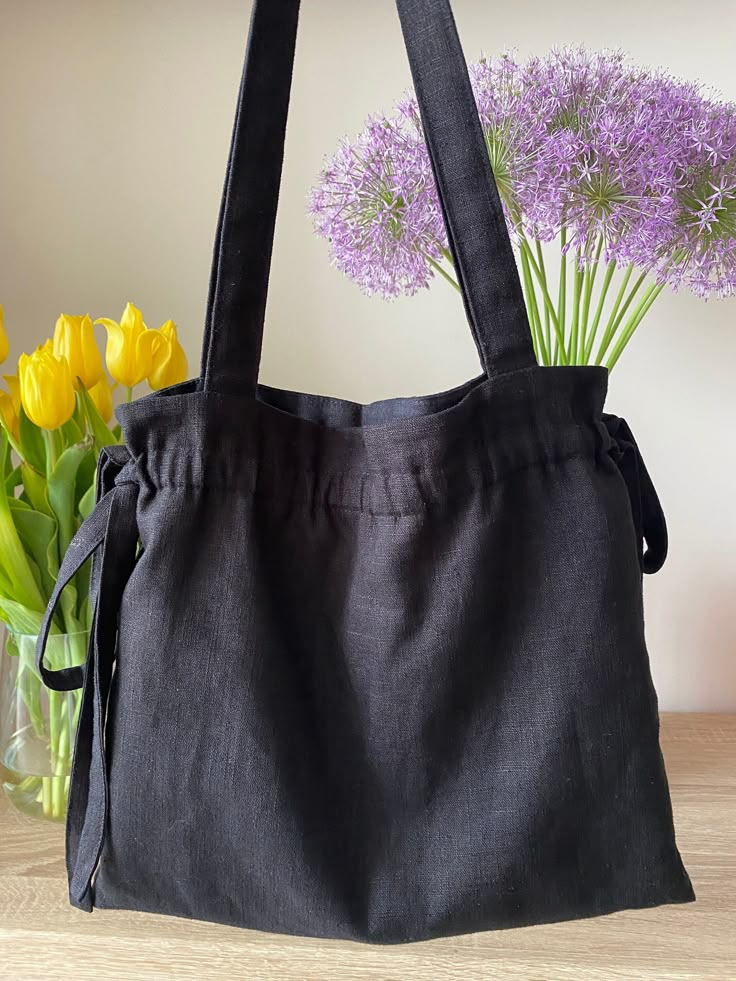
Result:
[83,546]
[111,531]
[649,519]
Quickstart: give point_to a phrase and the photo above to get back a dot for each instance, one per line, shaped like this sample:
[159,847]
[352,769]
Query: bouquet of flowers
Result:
[626,175]
[55,417]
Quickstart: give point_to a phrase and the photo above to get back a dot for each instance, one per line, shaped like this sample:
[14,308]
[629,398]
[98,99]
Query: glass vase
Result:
[38,726]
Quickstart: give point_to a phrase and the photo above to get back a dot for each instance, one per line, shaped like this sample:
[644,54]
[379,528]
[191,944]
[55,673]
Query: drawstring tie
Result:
[649,519]
[110,534]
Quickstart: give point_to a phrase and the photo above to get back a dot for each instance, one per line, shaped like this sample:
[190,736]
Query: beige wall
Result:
[114,120]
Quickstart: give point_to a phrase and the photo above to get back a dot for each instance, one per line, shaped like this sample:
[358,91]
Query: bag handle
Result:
[471,207]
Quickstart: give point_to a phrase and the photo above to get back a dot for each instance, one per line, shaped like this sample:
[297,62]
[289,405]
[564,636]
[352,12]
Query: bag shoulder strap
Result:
[469,198]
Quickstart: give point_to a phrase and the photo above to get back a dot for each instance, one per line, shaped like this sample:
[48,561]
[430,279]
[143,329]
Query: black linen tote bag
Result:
[374,672]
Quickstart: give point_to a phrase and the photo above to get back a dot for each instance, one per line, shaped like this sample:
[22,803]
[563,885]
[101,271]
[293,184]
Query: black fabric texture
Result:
[374,672]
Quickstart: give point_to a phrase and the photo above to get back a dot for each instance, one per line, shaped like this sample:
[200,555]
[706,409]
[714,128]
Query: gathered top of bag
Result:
[397,455]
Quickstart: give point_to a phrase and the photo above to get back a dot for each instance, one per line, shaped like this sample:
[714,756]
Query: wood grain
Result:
[41,937]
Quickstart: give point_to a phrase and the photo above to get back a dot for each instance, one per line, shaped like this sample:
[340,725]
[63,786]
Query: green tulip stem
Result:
[46,796]
[54,803]
[54,443]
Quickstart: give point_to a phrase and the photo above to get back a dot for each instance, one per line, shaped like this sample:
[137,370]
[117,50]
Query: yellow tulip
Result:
[11,420]
[4,342]
[101,395]
[46,389]
[13,383]
[169,362]
[130,347]
[74,339]
[10,405]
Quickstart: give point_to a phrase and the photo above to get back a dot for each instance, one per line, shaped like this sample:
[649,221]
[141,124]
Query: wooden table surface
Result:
[41,937]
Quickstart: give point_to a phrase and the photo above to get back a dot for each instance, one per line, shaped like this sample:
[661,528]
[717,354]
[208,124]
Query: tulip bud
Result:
[46,389]
[169,362]
[74,340]
[101,395]
[9,417]
[130,347]
[4,343]
[10,405]
[13,383]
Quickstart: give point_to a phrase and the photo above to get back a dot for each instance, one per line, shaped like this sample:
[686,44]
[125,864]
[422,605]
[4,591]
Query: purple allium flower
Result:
[603,170]
[514,129]
[626,160]
[700,251]
[377,204]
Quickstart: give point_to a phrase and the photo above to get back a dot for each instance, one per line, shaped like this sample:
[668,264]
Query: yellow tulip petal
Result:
[148,345]
[132,319]
[9,415]
[46,390]
[92,368]
[130,347]
[116,353]
[101,395]
[75,342]
[13,383]
[4,342]
[170,365]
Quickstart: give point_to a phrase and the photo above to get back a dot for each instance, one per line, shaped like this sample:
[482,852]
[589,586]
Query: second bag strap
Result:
[470,202]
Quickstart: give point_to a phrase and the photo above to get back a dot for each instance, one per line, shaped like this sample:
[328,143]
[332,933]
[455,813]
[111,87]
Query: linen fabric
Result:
[374,672]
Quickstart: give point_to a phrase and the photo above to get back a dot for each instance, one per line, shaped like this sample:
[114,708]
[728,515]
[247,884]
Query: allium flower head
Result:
[700,251]
[513,127]
[603,170]
[625,160]
[377,204]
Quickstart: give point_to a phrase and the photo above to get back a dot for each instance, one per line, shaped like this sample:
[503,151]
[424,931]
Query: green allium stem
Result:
[443,272]
[527,288]
[562,292]
[636,318]
[541,279]
[547,319]
[618,312]
[610,269]
[578,282]
[578,348]
[535,322]
[591,271]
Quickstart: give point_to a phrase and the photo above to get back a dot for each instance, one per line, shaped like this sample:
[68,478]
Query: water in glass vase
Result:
[38,727]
